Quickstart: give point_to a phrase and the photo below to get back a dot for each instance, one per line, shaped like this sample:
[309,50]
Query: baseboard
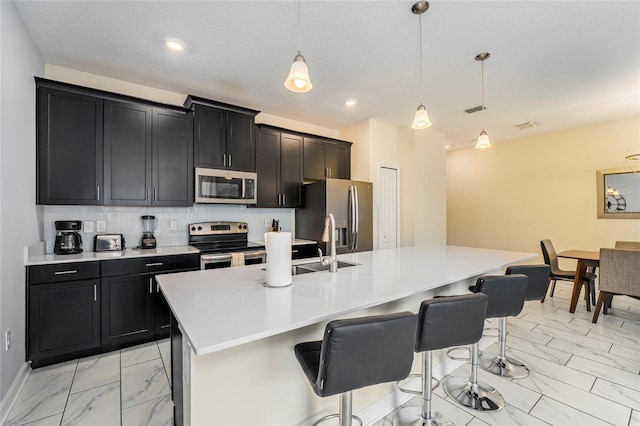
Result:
[12,394]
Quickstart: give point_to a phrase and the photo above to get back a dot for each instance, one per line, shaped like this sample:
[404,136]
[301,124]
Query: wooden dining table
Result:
[586,259]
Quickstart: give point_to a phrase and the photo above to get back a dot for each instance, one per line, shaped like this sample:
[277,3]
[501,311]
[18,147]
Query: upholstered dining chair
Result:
[551,259]
[628,245]
[619,274]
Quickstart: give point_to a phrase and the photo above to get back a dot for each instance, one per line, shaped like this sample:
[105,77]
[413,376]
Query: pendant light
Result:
[483,140]
[298,80]
[421,119]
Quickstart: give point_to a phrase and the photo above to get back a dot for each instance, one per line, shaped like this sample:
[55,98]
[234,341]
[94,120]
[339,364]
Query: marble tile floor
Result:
[125,387]
[581,373]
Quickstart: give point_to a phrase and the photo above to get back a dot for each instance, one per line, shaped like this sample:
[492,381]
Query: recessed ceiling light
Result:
[174,45]
[350,102]
[447,146]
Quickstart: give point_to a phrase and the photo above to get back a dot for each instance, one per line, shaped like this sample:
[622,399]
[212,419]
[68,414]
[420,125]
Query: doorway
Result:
[388,207]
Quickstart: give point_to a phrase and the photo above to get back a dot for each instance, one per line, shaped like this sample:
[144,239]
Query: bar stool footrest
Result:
[400,383]
[336,416]
[460,348]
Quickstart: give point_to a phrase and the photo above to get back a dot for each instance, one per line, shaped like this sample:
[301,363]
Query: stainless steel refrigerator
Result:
[351,202]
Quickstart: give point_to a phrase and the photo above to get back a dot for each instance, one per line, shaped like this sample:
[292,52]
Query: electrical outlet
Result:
[88,226]
[101,226]
[7,340]
[267,223]
[173,224]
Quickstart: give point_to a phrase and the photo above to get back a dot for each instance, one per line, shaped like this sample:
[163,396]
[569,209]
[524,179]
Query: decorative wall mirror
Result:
[618,192]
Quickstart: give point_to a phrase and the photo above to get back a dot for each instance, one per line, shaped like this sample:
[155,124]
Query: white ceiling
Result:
[561,63]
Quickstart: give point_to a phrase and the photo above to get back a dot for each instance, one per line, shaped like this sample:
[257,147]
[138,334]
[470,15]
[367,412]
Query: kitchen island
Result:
[237,336]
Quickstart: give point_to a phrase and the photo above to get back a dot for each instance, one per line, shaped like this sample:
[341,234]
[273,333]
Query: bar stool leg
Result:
[423,416]
[471,393]
[344,414]
[500,364]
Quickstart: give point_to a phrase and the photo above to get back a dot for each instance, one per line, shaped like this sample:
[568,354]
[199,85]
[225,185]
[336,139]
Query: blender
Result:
[149,224]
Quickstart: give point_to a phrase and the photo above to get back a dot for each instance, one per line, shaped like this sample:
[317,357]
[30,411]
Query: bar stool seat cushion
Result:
[359,352]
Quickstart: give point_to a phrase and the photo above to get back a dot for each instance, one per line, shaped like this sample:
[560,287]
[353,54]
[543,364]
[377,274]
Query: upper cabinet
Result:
[326,158]
[99,148]
[69,146]
[279,166]
[224,135]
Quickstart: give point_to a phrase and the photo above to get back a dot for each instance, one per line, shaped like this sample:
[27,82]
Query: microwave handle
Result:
[244,183]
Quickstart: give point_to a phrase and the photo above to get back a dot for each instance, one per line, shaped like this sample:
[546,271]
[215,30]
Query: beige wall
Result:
[519,192]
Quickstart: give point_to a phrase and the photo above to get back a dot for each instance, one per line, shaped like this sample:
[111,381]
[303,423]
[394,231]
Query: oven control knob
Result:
[199,228]
[244,226]
[239,226]
[193,228]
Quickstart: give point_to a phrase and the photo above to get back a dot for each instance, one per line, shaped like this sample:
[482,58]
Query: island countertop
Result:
[223,308]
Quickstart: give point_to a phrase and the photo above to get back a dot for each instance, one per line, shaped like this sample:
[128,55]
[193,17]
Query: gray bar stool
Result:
[443,322]
[505,294]
[536,289]
[355,353]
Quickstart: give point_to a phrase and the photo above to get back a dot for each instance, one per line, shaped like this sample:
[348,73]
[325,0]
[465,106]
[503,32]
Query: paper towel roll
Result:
[278,248]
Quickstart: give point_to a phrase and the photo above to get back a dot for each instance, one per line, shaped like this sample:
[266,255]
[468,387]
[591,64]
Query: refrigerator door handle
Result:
[357,216]
[352,217]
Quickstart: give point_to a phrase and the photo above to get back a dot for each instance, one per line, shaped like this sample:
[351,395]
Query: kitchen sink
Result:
[307,268]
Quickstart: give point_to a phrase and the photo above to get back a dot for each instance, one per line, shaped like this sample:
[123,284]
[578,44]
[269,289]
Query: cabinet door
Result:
[267,167]
[64,318]
[240,142]
[162,313]
[127,309]
[172,158]
[337,161]
[210,137]
[127,153]
[314,159]
[291,169]
[69,148]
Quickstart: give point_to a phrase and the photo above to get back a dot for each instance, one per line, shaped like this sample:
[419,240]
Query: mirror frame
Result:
[600,194]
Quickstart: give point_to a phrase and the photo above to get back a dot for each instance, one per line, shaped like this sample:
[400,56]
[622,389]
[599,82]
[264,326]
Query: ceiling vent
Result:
[527,125]
[475,109]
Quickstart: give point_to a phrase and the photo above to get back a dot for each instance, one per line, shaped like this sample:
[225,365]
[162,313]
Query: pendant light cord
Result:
[420,46]
[482,80]
[299,26]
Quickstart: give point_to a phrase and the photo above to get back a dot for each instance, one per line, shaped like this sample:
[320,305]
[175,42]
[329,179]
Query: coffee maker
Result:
[149,224]
[68,240]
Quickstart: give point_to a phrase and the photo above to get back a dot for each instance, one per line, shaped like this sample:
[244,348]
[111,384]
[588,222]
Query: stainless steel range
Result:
[223,243]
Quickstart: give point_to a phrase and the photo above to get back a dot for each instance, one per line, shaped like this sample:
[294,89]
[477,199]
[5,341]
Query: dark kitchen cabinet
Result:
[224,135]
[69,146]
[326,158]
[148,155]
[304,251]
[279,160]
[161,313]
[63,311]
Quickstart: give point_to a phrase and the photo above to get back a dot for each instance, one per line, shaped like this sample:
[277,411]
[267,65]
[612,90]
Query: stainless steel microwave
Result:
[225,186]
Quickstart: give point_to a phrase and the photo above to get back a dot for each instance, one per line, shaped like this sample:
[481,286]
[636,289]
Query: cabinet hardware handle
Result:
[157,287]
[229,160]
[326,172]
[330,172]
[279,199]
[95,293]
[155,194]
[98,192]
[72,271]
[146,194]
[151,285]
[295,251]
[224,160]
[154,264]
[284,199]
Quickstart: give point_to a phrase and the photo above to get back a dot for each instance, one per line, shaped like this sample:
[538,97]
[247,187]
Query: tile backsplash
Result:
[126,221]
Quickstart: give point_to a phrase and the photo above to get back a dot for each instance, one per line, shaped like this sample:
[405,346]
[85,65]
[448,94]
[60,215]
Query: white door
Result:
[388,213]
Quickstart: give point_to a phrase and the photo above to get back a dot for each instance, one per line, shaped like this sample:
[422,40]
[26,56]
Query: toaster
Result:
[108,242]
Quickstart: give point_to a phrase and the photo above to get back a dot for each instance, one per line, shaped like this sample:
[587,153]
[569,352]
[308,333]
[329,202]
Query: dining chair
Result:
[619,274]
[628,245]
[551,259]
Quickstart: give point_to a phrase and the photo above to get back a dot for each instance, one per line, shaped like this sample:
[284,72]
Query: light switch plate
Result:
[267,223]
[88,226]
[101,226]
[173,224]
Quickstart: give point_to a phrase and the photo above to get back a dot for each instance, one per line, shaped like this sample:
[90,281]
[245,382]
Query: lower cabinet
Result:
[64,318]
[72,315]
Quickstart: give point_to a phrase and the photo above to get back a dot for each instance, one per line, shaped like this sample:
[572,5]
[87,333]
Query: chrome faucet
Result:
[327,236]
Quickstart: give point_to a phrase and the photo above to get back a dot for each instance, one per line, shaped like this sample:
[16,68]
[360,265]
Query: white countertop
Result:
[90,256]
[222,308]
[294,242]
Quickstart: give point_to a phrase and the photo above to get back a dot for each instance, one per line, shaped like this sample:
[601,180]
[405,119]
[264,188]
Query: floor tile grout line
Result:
[607,397]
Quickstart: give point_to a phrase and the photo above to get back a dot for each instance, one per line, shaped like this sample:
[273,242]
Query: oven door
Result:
[223,260]
[225,186]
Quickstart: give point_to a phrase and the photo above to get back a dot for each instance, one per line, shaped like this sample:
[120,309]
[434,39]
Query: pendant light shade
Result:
[298,80]
[421,119]
[483,140]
